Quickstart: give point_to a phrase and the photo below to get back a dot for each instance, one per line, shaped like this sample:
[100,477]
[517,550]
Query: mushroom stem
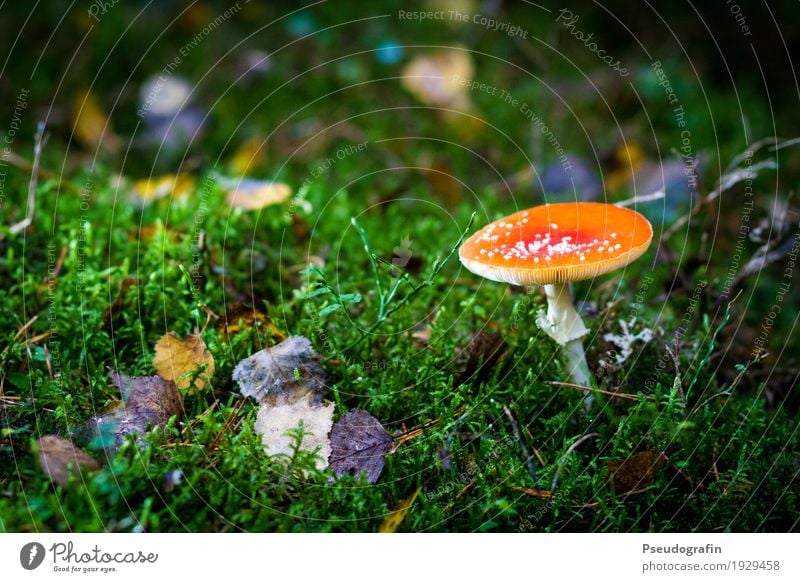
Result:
[563,323]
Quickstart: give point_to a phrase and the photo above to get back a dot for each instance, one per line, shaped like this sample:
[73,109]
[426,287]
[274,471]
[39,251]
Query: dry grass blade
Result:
[623,395]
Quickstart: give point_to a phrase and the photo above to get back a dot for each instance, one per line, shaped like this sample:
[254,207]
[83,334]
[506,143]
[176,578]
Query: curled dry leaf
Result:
[59,457]
[147,401]
[359,443]
[635,472]
[274,424]
[180,360]
[394,519]
[285,373]
[250,194]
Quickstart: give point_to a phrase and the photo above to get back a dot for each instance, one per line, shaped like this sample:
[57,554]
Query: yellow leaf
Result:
[393,521]
[249,156]
[175,185]
[178,359]
[255,194]
[628,158]
[90,122]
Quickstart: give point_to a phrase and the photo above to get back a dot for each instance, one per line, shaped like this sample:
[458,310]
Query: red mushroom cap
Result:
[557,243]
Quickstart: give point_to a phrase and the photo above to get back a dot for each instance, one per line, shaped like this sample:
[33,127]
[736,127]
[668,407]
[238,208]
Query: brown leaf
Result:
[394,519]
[634,472]
[285,373]
[484,351]
[240,317]
[359,443]
[59,457]
[180,359]
[444,184]
[148,401]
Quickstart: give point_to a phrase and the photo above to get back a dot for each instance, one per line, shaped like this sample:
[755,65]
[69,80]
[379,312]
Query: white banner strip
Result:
[406,557]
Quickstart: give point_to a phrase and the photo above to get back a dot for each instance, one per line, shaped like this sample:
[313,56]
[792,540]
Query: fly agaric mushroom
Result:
[553,245]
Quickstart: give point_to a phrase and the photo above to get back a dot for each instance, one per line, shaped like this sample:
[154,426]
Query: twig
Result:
[405,436]
[190,425]
[676,362]
[762,257]
[37,154]
[623,395]
[596,504]
[522,445]
[59,265]
[563,459]
[657,195]
[540,493]
[742,371]
[209,316]
[226,425]
[47,361]
[24,329]
[732,176]
[19,162]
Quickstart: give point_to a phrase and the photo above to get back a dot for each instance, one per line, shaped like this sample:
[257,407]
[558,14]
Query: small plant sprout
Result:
[553,245]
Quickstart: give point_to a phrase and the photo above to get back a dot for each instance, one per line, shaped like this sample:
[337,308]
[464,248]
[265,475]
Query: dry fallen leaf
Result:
[628,158]
[394,519]
[249,156]
[90,123]
[240,317]
[180,359]
[485,350]
[439,79]
[444,183]
[59,457]
[634,472]
[285,373]
[173,185]
[255,194]
[147,401]
[359,443]
[274,424]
